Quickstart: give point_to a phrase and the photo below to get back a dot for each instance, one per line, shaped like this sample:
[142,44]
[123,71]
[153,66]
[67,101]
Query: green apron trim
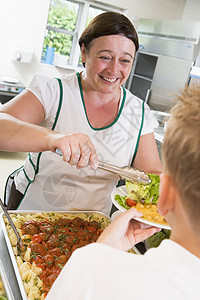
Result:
[119,112]
[139,134]
[8,180]
[40,153]
[29,180]
[33,165]
[60,103]
[29,155]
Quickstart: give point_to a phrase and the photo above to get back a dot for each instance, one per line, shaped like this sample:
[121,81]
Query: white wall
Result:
[23,22]
[22,25]
[192,10]
[157,9]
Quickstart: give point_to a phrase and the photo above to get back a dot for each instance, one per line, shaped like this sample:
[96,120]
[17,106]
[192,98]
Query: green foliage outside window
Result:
[63,15]
[61,26]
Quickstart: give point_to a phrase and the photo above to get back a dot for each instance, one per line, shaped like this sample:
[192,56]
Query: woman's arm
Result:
[147,157]
[18,122]
[26,107]
[20,131]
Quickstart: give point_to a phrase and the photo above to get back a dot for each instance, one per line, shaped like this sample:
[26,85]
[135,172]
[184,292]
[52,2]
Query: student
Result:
[103,270]
[88,116]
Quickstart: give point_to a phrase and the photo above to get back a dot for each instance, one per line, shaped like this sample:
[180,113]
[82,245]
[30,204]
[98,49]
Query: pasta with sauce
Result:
[49,240]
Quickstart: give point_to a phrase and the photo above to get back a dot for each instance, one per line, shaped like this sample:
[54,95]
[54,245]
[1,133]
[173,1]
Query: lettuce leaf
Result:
[122,201]
[144,193]
[139,192]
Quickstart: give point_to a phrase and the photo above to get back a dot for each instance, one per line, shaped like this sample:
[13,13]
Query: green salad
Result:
[140,193]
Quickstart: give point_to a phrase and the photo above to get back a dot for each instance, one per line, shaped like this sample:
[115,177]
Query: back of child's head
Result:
[181,150]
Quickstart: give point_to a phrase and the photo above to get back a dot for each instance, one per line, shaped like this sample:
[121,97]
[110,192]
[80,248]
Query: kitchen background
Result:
[23,26]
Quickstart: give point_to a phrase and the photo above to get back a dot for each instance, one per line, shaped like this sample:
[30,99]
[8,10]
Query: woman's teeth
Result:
[108,79]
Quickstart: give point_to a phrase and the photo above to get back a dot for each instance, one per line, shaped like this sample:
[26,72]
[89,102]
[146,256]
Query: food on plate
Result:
[144,198]
[140,193]
[150,213]
[49,240]
[144,193]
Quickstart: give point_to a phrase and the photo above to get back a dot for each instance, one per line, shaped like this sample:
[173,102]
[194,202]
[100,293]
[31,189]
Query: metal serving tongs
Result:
[126,173]
[19,240]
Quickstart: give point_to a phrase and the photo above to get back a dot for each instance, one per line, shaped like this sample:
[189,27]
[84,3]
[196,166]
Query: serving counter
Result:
[159,134]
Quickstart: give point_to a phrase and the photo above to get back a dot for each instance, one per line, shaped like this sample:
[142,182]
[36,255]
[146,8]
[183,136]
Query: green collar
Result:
[119,112]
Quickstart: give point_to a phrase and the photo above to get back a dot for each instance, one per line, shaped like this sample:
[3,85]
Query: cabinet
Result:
[141,76]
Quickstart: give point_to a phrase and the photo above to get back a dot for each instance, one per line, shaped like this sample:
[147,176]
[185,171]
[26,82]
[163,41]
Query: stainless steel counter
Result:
[159,134]
[8,268]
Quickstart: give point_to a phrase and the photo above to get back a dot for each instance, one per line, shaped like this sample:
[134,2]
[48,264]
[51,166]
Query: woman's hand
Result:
[24,136]
[77,149]
[124,232]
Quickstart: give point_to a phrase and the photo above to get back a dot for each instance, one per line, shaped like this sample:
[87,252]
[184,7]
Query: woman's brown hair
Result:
[109,23]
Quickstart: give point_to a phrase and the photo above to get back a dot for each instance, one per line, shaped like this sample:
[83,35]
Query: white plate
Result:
[122,192]
[10,80]
[115,214]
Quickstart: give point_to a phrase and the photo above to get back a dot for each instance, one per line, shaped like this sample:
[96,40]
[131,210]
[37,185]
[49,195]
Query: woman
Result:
[88,116]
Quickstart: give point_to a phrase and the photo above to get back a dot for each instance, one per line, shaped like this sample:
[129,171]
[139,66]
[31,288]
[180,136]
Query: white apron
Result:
[48,183]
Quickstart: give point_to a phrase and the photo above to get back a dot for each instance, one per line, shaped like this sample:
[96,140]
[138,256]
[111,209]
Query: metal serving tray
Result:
[7,287]
[10,249]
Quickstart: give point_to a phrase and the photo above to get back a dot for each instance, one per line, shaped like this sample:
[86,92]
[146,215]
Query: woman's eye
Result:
[125,61]
[104,57]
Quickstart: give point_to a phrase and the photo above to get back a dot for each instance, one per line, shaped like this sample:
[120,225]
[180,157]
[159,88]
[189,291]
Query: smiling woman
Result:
[88,116]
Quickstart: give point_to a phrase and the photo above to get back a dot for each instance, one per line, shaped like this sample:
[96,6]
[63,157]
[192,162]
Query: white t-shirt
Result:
[97,272]
[47,182]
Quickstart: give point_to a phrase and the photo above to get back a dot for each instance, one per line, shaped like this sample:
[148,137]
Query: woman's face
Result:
[108,62]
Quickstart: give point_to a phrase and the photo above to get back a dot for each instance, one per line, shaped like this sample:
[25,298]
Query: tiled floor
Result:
[9,161]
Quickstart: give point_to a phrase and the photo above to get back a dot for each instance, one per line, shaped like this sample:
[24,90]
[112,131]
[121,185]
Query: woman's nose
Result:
[113,66]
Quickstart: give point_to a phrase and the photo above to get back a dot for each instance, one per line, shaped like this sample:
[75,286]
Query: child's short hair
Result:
[181,150]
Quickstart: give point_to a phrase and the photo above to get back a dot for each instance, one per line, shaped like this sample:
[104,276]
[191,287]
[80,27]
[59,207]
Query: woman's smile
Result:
[110,80]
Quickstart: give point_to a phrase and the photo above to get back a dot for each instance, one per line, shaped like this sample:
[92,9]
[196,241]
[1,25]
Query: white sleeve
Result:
[150,121]
[46,89]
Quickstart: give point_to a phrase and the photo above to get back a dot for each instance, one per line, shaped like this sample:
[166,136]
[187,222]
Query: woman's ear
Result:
[167,194]
[83,53]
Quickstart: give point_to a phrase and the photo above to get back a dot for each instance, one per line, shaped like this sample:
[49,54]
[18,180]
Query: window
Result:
[66,21]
